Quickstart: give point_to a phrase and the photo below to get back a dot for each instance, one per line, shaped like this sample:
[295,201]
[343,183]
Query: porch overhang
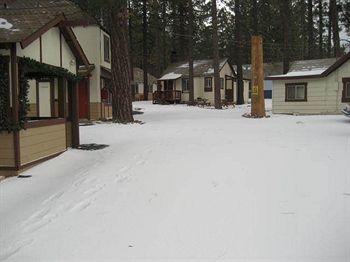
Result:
[170,76]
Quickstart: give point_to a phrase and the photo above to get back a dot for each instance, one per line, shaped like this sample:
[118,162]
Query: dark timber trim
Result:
[45,122]
[345,99]
[31,38]
[15,104]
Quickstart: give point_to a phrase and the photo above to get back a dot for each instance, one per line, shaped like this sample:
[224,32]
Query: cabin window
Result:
[208,84]
[346,90]
[296,92]
[185,87]
[222,83]
[136,90]
[106,44]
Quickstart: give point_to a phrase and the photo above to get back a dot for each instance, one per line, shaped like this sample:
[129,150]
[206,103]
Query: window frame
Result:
[106,39]
[346,85]
[289,85]
[206,88]
[187,90]
[222,83]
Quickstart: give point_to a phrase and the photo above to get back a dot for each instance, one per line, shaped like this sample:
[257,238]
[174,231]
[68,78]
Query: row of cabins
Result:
[320,86]
[65,55]
[173,85]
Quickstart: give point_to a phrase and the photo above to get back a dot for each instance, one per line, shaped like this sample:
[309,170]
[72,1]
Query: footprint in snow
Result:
[124,169]
[54,197]
[154,195]
[141,162]
[82,205]
[94,190]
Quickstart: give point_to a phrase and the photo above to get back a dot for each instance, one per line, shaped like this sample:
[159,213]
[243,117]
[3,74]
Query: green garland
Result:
[5,122]
[28,69]
[34,69]
[23,99]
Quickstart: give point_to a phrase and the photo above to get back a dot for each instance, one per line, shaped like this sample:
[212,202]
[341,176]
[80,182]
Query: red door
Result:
[83,100]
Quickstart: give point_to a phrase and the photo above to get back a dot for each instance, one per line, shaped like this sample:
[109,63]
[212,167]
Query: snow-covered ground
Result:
[189,184]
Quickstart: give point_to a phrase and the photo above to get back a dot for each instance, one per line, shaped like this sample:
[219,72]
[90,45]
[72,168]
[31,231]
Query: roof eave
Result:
[31,38]
[74,44]
[293,77]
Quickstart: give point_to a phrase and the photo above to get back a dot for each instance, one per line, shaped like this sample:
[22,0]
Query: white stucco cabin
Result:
[94,96]
[313,87]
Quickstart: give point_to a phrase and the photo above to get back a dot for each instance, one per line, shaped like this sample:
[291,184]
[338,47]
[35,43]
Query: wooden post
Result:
[15,104]
[258,100]
[61,97]
[75,115]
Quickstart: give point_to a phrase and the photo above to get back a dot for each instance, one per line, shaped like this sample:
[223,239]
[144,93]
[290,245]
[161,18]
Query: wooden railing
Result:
[168,96]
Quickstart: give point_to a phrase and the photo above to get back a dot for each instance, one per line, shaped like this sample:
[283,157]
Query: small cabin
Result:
[320,86]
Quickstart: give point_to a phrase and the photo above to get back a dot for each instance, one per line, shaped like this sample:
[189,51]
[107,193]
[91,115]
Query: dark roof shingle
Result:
[200,68]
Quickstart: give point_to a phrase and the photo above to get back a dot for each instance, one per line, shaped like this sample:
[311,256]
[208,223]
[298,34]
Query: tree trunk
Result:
[310,29]
[238,47]
[190,52]
[145,50]
[121,91]
[285,13]
[131,47]
[335,27]
[255,17]
[217,82]
[329,36]
[320,28]
[304,30]
[182,30]
[164,49]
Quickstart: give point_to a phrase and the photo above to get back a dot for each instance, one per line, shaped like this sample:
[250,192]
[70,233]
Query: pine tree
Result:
[320,28]
[310,29]
[285,11]
[190,51]
[145,49]
[217,82]
[334,20]
[240,84]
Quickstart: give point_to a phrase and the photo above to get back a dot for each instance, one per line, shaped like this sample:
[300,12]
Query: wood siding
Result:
[6,150]
[41,142]
[106,111]
[32,110]
[95,111]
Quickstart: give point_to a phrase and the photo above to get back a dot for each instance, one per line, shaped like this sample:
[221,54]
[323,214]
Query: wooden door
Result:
[44,99]
[168,85]
[83,100]
[229,90]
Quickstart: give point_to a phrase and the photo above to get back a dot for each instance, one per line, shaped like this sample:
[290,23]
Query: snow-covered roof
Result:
[200,68]
[269,69]
[311,68]
[170,76]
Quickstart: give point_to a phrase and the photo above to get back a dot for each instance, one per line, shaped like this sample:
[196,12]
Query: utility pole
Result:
[258,101]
